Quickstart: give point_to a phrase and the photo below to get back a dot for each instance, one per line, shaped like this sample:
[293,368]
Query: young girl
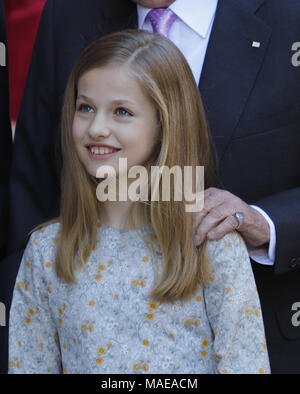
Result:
[118,286]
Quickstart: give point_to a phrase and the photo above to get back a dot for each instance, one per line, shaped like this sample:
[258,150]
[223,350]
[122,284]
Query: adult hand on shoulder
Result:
[217,219]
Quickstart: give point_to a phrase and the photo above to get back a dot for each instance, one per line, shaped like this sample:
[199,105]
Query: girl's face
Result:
[112,110]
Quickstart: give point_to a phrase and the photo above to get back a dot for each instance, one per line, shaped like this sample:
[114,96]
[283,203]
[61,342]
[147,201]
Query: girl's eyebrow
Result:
[84,97]
[123,101]
[118,101]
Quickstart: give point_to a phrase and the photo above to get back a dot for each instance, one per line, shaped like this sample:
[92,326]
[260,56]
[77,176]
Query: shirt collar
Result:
[197,14]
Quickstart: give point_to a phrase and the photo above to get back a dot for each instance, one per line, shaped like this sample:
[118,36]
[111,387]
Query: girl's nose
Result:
[99,127]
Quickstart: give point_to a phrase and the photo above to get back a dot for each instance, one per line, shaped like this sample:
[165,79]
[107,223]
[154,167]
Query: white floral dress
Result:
[106,324]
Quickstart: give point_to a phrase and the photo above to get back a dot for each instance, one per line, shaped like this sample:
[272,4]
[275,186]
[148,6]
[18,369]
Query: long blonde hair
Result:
[166,78]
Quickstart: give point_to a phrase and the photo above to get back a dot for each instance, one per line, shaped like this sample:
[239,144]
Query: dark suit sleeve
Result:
[6,136]
[35,180]
[284,209]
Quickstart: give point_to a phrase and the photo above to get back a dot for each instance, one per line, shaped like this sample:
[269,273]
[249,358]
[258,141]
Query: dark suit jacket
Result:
[252,100]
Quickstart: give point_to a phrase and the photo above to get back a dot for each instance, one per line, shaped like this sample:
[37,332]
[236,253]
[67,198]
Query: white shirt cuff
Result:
[262,254]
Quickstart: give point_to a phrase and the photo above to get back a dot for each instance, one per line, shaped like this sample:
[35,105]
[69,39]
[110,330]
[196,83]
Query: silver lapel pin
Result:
[255,44]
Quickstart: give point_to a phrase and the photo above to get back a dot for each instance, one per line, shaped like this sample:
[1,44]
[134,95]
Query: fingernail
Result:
[211,236]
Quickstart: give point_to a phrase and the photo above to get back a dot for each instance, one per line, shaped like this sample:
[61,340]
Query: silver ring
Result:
[240,218]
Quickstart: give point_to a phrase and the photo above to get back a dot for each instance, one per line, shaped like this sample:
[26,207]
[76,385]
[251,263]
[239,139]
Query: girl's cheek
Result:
[78,129]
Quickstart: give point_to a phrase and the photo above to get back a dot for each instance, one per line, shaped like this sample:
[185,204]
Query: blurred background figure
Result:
[6,138]
[5,158]
[22,20]
[19,20]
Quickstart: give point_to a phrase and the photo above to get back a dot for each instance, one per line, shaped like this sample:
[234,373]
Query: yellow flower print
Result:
[205,342]
[145,367]
[97,277]
[264,347]
[143,283]
[99,361]
[212,277]
[145,259]
[257,312]
[20,284]
[101,267]
[83,327]
[204,353]
[18,365]
[249,312]
[101,350]
[11,364]
[150,316]
[137,367]
[135,283]
[109,345]
[55,241]
[229,289]
[60,321]
[217,357]
[229,245]
[48,264]
[28,320]
[110,262]
[146,342]
[56,335]
[34,242]
[64,346]
[28,264]
[49,289]
[26,287]
[20,344]
[189,322]
[41,345]
[31,311]
[92,303]
[170,336]
[152,306]
[197,323]
[261,371]
[60,311]
[198,298]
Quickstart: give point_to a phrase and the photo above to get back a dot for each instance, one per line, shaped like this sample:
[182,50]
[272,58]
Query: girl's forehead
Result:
[112,71]
[111,79]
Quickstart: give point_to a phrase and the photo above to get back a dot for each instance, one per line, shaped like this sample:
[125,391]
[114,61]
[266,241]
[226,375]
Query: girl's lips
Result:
[103,156]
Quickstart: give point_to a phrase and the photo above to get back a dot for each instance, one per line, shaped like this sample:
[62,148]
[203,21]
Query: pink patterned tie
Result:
[161,20]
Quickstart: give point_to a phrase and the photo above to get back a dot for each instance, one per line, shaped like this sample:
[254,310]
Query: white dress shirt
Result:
[190,32]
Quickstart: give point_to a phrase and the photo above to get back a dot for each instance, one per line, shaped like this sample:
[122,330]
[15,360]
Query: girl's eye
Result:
[84,108]
[122,112]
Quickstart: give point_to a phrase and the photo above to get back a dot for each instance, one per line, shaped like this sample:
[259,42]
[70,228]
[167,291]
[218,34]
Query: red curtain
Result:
[22,20]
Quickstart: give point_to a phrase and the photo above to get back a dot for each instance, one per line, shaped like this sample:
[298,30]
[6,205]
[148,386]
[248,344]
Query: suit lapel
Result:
[231,66]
